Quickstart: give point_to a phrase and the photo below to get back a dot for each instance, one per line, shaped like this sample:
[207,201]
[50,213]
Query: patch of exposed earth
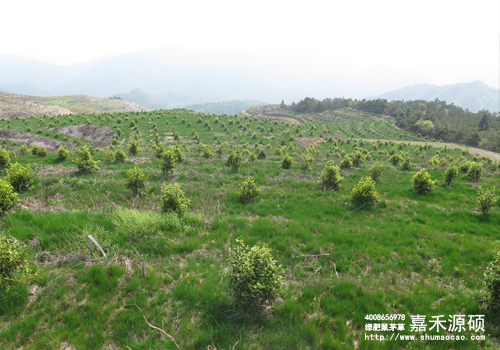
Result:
[100,135]
[306,141]
[31,139]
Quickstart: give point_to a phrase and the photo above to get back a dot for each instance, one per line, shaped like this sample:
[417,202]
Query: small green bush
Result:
[4,158]
[376,171]
[306,162]
[248,190]
[287,162]
[24,150]
[485,199]
[173,199]
[120,156]
[407,164]
[41,152]
[346,163]
[19,177]
[364,193]
[492,282]
[255,276]
[135,180]
[84,162]
[168,161]
[422,182]
[63,152]
[13,264]
[7,197]
[110,156]
[234,160]
[133,147]
[450,174]
[475,171]
[330,178]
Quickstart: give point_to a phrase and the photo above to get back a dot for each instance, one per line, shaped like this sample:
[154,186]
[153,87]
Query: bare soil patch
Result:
[306,141]
[31,139]
[99,135]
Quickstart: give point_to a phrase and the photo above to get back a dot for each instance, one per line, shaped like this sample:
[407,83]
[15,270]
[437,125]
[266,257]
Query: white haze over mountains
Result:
[206,51]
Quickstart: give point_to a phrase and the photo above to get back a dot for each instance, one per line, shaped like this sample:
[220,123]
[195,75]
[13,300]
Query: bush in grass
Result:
[135,180]
[485,199]
[173,199]
[4,158]
[24,150]
[450,174]
[261,154]
[158,150]
[248,190]
[492,282]
[364,193]
[85,163]
[307,160]
[407,164]
[110,156]
[464,167]
[346,163]
[7,197]
[395,159]
[376,171]
[234,160]
[13,264]
[287,162]
[475,171]
[134,147]
[330,178]
[63,152]
[19,177]
[168,161]
[255,276]
[120,155]
[422,182]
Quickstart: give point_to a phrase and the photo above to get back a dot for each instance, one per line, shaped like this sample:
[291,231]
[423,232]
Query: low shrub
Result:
[4,158]
[7,197]
[84,162]
[364,193]
[475,171]
[450,174]
[422,182]
[63,153]
[248,190]
[330,178]
[19,177]
[287,162]
[234,160]
[376,171]
[492,282]
[255,276]
[173,199]
[485,199]
[168,161]
[135,180]
[13,264]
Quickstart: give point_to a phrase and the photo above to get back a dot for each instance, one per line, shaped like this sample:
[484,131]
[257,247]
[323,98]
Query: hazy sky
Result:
[405,42]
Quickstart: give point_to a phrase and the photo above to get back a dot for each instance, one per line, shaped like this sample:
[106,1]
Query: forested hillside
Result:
[435,119]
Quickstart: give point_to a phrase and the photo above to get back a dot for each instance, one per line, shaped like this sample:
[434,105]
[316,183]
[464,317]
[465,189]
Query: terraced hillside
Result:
[345,261]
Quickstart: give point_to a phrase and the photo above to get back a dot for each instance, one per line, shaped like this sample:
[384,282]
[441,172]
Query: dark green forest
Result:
[436,119]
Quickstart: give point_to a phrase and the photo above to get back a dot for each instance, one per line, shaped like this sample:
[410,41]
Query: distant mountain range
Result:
[176,77]
[475,96]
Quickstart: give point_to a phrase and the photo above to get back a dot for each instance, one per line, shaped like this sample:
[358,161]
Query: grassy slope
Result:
[410,254]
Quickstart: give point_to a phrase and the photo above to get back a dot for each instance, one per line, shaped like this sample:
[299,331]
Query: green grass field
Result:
[409,254]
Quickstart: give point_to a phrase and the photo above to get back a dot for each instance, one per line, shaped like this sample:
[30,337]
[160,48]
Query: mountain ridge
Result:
[474,96]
